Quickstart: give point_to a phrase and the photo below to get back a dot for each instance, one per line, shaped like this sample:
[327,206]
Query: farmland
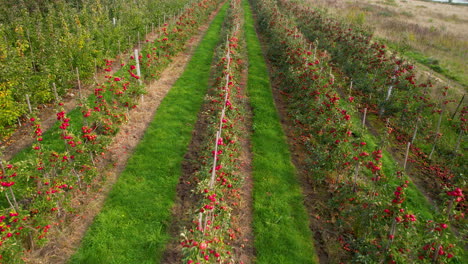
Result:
[262,131]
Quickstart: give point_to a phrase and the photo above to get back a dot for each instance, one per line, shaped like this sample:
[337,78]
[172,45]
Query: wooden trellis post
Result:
[55,93]
[29,103]
[364,117]
[79,82]
[406,155]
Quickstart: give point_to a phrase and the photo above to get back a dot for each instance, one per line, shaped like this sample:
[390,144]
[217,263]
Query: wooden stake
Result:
[364,118]
[55,93]
[406,155]
[29,103]
[389,92]
[137,60]
[390,241]
[206,220]
[13,204]
[95,69]
[213,172]
[200,219]
[433,148]
[79,82]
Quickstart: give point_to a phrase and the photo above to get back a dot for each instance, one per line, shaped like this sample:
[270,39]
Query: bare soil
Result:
[66,238]
[315,196]
[243,215]
[187,200]
[22,138]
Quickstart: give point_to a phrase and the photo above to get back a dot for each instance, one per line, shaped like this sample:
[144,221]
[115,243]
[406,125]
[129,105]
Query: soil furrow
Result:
[64,242]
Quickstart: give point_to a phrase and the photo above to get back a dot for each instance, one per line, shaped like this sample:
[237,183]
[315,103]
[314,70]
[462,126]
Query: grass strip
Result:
[131,227]
[281,223]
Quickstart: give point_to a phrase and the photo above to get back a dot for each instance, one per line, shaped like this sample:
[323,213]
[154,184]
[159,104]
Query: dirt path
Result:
[243,213]
[21,138]
[315,197]
[186,200]
[66,239]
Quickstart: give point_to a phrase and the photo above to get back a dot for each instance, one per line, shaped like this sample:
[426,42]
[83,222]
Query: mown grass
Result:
[280,221]
[131,227]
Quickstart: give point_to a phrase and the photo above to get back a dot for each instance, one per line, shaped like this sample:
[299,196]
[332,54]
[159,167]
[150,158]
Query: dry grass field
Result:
[435,34]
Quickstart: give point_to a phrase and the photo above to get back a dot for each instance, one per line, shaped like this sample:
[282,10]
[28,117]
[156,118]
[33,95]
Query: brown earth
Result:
[243,214]
[186,200]
[66,238]
[22,138]
[316,196]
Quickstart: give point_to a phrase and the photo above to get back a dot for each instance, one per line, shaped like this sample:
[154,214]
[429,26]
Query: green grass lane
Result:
[131,227]
[280,221]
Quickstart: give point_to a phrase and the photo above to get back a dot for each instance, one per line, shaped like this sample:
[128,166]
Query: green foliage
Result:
[43,42]
[374,206]
[357,17]
[132,226]
[64,156]
[10,110]
[280,219]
